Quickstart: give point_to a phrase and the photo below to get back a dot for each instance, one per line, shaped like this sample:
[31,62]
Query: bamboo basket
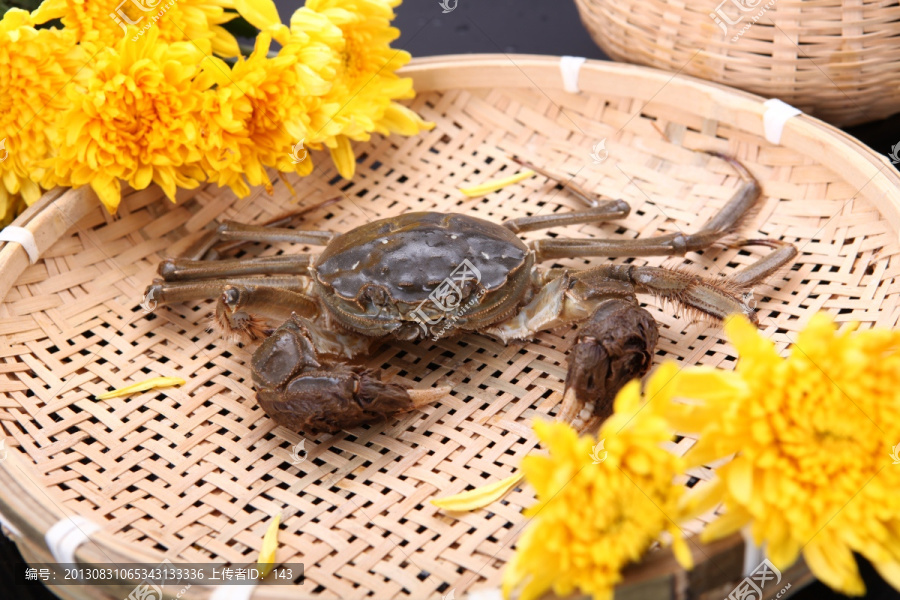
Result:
[194,473]
[837,60]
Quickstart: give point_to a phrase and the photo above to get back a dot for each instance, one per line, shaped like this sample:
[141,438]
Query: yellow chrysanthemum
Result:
[361,68]
[104,21]
[34,66]
[815,432]
[136,119]
[591,520]
[10,209]
[255,117]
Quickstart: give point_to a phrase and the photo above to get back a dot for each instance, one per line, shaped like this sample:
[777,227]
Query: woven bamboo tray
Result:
[838,60]
[194,473]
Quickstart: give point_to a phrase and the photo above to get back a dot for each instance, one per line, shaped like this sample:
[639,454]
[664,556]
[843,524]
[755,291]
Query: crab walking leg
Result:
[725,222]
[244,304]
[614,344]
[700,295]
[576,190]
[287,220]
[302,391]
[604,211]
[164,292]
[759,271]
[232,231]
[183,269]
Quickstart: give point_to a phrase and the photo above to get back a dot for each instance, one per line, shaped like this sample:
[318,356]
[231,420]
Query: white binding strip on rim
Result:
[753,554]
[64,538]
[22,236]
[570,67]
[9,526]
[233,592]
[776,115]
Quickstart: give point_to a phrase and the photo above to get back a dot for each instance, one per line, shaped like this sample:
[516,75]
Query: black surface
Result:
[525,27]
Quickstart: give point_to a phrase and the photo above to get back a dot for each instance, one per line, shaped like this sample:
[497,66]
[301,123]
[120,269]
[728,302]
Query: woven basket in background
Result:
[837,60]
[194,473]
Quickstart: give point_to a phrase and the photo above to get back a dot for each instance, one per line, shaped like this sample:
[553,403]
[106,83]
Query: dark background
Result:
[524,27]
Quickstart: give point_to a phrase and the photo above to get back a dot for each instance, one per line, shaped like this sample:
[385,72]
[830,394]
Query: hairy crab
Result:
[428,274]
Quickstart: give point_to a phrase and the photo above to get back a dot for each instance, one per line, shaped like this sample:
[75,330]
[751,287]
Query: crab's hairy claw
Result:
[243,311]
[614,346]
[302,391]
[233,322]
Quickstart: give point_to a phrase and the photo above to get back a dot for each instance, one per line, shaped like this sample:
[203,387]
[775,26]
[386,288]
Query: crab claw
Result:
[301,391]
[613,346]
[234,320]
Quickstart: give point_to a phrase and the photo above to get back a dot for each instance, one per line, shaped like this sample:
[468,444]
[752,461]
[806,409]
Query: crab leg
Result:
[758,271]
[243,302]
[164,292]
[604,211]
[614,344]
[725,222]
[566,182]
[231,231]
[702,296]
[183,269]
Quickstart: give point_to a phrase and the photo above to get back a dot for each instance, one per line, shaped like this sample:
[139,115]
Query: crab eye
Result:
[230,296]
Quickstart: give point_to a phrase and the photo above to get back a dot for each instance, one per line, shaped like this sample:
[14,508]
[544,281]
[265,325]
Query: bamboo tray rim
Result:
[60,209]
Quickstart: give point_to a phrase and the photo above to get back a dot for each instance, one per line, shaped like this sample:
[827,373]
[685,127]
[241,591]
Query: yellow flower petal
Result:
[142,386]
[700,500]
[497,184]
[479,497]
[682,553]
[834,565]
[738,476]
[709,384]
[890,572]
[343,157]
[266,560]
[730,522]
[399,119]
[262,14]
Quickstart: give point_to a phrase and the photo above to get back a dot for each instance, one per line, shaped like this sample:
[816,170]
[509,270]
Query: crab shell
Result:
[423,274]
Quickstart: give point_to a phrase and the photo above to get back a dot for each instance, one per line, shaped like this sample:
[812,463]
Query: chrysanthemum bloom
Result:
[814,434]
[34,66]
[256,116]
[135,119]
[361,69]
[199,21]
[591,520]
